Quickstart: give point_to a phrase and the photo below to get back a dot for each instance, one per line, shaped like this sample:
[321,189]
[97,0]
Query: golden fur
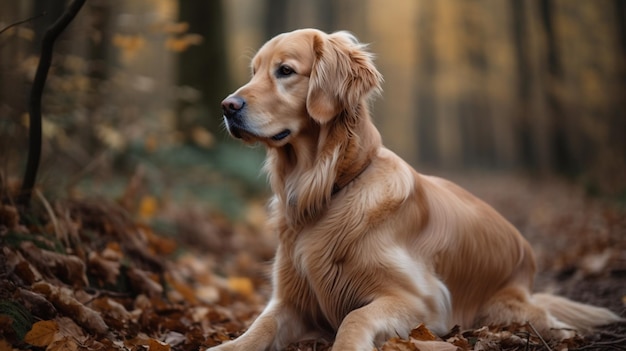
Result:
[368,247]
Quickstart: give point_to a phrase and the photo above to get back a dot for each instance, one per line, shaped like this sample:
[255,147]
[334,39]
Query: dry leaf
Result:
[142,283]
[156,345]
[5,346]
[9,216]
[173,338]
[42,333]
[433,345]
[63,300]
[106,270]
[185,290]
[67,343]
[37,304]
[397,344]
[148,207]
[241,285]
[67,268]
[422,333]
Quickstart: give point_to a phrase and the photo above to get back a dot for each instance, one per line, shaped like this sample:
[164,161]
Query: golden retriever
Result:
[368,247]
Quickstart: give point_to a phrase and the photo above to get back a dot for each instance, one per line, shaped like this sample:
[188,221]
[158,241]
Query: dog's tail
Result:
[584,318]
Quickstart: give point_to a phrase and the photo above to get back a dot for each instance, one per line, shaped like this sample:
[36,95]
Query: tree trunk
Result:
[203,67]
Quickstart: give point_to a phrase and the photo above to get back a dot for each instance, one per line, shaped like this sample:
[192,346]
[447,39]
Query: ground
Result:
[97,275]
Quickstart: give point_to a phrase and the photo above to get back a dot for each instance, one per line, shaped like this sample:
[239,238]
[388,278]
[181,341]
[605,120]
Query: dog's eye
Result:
[284,71]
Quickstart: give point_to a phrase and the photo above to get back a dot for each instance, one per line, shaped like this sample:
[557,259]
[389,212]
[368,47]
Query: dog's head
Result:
[300,79]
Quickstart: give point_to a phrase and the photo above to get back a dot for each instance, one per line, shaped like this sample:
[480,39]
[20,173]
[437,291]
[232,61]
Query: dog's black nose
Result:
[231,105]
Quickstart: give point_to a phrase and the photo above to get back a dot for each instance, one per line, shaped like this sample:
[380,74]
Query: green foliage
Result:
[46,242]
[225,176]
[21,318]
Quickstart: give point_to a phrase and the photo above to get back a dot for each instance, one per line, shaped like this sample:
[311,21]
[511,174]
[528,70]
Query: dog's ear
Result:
[343,73]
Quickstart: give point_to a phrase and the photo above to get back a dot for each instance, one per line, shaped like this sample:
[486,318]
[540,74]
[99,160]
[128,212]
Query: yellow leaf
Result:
[156,345]
[176,28]
[241,285]
[42,333]
[148,207]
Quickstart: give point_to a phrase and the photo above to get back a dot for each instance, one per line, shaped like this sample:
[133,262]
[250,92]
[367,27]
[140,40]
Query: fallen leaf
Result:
[5,346]
[65,303]
[67,268]
[241,285]
[42,333]
[143,283]
[37,304]
[397,344]
[67,343]
[156,345]
[106,270]
[422,333]
[148,207]
[433,345]
[174,338]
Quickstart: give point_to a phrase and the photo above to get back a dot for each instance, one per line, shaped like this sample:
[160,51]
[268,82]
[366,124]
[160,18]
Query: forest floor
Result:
[92,275]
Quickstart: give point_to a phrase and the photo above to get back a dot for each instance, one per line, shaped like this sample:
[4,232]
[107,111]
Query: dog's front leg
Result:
[364,328]
[274,329]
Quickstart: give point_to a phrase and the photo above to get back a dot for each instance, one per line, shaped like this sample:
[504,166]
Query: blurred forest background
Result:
[134,91]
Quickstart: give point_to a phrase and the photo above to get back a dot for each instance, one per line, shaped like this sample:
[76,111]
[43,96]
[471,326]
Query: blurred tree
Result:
[275,17]
[523,94]
[559,152]
[203,67]
[428,65]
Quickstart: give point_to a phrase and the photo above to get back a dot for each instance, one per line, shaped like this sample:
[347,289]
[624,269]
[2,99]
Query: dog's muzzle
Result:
[233,107]
[234,118]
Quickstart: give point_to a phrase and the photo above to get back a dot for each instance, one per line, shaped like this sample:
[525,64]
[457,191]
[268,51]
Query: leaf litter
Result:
[93,275]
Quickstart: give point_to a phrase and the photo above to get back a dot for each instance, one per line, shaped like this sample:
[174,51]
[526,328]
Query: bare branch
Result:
[20,22]
[34,104]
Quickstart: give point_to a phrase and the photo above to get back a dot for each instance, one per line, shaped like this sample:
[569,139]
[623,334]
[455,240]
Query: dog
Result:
[369,248]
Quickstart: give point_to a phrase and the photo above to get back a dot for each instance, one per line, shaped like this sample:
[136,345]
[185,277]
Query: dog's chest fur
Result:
[321,268]
[315,272]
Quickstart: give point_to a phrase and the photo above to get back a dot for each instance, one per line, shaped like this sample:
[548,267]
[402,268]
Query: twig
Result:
[616,344]
[20,22]
[34,103]
[53,218]
[539,335]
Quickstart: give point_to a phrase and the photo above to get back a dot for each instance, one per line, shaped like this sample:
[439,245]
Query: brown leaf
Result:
[106,270]
[5,346]
[433,345]
[397,344]
[65,303]
[186,292]
[67,343]
[422,333]
[42,333]
[9,216]
[22,268]
[67,268]
[37,304]
[156,345]
[143,283]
